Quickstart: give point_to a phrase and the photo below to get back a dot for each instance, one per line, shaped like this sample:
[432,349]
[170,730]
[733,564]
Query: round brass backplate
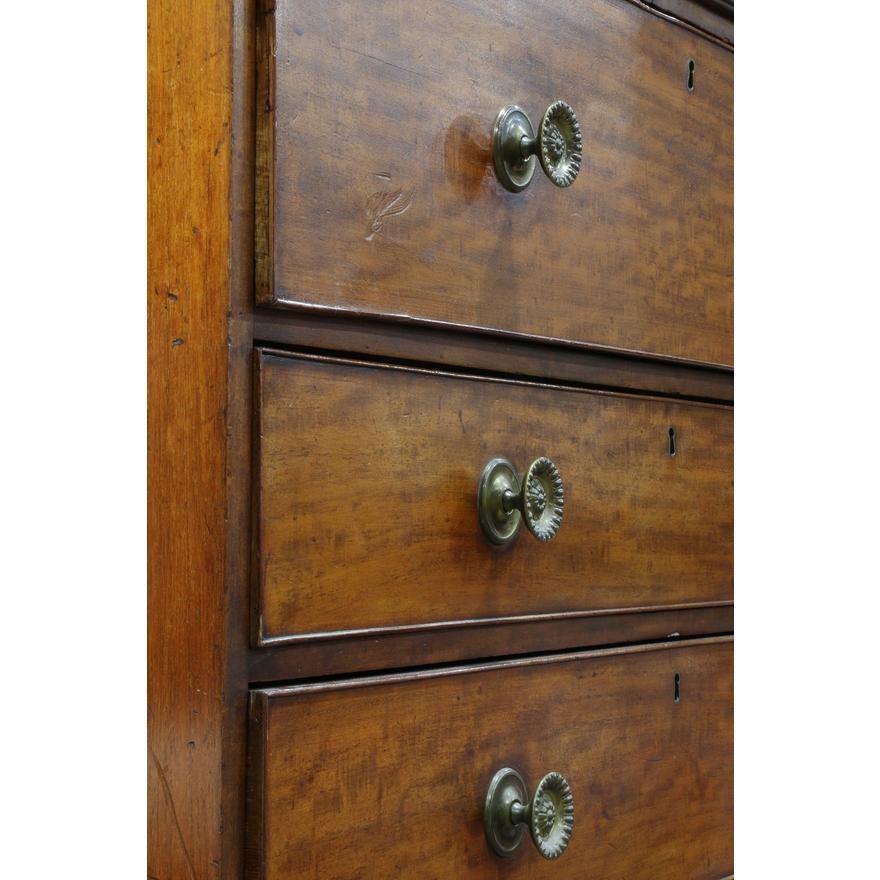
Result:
[511,126]
[506,787]
[500,526]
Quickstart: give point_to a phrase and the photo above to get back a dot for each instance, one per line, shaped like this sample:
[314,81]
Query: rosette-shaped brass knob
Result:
[504,500]
[515,146]
[549,815]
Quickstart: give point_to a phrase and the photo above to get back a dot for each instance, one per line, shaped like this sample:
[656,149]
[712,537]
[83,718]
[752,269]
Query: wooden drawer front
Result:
[367,499]
[386,777]
[377,194]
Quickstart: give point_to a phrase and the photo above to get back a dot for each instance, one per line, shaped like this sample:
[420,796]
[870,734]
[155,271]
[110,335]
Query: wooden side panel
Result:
[367,508]
[377,192]
[189,167]
[387,777]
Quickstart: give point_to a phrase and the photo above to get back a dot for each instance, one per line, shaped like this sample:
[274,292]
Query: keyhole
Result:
[691,67]
[676,688]
[671,442]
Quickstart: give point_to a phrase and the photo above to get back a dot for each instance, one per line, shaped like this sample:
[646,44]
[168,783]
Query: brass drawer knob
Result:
[504,500]
[557,145]
[549,815]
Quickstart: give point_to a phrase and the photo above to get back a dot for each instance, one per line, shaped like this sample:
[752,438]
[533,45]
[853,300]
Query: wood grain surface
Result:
[714,17]
[518,356]
[199,299]
[366,514]
[391,538]
[371,653]
[386,777]
[376,193]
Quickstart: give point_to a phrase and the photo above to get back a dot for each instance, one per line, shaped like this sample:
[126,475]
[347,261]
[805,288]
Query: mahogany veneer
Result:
[388,774]
[347,317]
[366,505]
[376,192]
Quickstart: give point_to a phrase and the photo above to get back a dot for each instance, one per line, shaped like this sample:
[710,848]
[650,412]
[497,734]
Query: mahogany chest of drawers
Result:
[441,439]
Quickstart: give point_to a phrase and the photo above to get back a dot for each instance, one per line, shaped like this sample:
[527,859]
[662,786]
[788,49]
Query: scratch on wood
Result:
[381,205]
[382,61]
[169,799]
